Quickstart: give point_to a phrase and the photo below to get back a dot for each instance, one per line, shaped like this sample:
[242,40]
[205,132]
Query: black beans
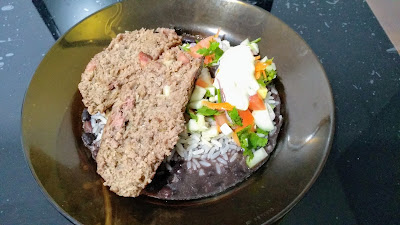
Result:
[187,38]
[88,138]
[85,115]
[213,70]
[87,127]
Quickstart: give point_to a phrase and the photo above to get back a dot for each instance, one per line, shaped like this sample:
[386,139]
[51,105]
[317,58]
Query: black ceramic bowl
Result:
[63,168]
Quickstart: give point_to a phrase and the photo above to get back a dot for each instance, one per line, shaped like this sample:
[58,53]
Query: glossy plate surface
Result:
[63,168]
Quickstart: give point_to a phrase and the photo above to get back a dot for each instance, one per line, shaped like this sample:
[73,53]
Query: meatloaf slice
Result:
[107,71]
[145,121]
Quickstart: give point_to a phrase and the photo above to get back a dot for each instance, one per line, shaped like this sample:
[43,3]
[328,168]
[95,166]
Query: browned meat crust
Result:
[143,123]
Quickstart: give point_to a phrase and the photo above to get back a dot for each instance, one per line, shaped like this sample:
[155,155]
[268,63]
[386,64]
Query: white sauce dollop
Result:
[235,76]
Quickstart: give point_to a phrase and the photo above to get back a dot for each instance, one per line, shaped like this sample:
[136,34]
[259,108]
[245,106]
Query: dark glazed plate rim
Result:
[25,150]
[271,220]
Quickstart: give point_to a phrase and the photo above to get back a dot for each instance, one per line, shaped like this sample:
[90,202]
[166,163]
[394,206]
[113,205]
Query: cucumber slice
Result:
[259,155]
[196,104]
[198,93]
[263,120]
[206,76]
[193,126]
[210,133]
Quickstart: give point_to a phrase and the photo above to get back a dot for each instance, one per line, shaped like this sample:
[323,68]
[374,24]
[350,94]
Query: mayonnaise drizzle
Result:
[235,76]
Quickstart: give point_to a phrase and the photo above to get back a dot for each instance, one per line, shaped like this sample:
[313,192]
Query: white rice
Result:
[205,163]
[218,168]
[169,168]
[233,157]
[221,160]
[201,172]
[225,156]
[198,152]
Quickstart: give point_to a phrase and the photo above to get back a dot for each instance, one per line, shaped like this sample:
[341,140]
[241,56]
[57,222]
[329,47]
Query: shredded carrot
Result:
[201,83]
[218,106]
[218,129]
[257,57]
[261,65]
[260,68]
[217,34]
[257,75]
[247,119]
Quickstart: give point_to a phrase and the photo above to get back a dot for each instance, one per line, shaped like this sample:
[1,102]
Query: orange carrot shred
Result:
[257,57]
[236,138]
[217,34]
[218,106]
[257,75]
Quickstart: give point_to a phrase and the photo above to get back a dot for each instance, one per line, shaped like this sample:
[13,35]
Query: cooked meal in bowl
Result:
[178,120]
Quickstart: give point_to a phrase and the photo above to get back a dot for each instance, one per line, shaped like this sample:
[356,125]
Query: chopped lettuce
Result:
[205,111]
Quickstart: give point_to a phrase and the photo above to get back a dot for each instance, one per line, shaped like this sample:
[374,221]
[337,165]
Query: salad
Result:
[233,102]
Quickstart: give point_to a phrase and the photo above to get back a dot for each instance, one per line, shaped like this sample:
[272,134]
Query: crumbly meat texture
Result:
[143,124]
[110,69]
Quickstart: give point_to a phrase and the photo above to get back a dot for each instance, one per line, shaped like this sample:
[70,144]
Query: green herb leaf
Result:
[234,115]
[205,111]
[256,141]
[193,115]
[260,131]
[219,95]
[185,47]
[265,81]
[250,141]
[243,136]
[203,51]
[213,49]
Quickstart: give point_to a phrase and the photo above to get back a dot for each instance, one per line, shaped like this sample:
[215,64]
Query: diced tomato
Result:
[256,103]
[247,119]
[220,120]
[200,82]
